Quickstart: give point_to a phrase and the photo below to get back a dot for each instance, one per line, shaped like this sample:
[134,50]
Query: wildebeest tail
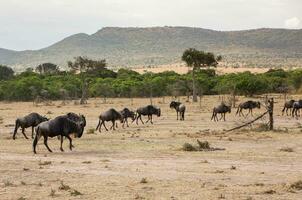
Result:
[283,109]
[16,128]
[35,142]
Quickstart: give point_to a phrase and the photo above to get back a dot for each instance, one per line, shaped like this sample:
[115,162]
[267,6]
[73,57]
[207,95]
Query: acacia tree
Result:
[85,66]
[47,68]
[199,59]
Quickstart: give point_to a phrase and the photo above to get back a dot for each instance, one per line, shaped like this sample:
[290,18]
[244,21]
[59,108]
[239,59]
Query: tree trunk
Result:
[194,86]
[84,93]
[151,97]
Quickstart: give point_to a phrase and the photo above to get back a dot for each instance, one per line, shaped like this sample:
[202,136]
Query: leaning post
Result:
[271,113]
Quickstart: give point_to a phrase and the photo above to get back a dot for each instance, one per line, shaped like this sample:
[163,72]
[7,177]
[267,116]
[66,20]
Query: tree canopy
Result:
[6,72]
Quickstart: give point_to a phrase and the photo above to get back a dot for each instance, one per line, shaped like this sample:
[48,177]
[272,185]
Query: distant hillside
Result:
[164,45]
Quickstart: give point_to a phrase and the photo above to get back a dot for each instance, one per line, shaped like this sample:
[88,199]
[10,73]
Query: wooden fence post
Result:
[271,113]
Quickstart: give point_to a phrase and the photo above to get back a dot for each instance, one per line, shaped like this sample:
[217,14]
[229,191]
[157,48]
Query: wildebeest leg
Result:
[213,116]
[113,125]
[99,126]
[45,143]
[16,129]
[70,142]
[151,119]
[140,117]
[37,137]
[183,116]
[32,132]
[224,116]
[61,147]
[127,122]
[103,122]
[24,133]
[148,119]
[252,112]
[221,116]
[293,112]
[177,115]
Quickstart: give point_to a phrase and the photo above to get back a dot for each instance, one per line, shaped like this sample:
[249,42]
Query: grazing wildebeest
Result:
[180,108]
[222,109]
[288,105]
[126,113]
[110,115]
[149,111]
[31,120]
[59,126]
[247,105]
[297,105]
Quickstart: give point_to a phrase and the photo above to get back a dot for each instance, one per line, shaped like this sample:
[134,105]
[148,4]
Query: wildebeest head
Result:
[258,104]
[228,108]
[81,125]
[44,119]
[173,104]
[132,115]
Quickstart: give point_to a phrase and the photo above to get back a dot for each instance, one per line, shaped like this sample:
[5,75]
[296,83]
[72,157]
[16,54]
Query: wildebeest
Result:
[247,105]
[31,120]
[149,111]
[126,113]
[180,108]
[288,105]
[222,109]
[110,115]
[297,105]
[59,126]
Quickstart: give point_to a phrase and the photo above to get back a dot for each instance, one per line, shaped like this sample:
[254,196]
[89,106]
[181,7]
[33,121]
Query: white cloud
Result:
[292,23]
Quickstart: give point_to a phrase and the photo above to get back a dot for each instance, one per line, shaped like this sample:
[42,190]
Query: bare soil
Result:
[147,161]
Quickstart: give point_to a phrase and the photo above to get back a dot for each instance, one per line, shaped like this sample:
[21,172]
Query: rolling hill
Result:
[164,45]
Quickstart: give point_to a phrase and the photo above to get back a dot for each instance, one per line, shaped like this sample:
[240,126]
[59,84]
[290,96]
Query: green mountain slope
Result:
[164,45]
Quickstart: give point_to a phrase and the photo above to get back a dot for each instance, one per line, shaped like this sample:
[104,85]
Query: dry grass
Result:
[143,180]
[296,185]
[63,186]
[110,165]
[287,149]
[90,131]
[52,193]
[44,163]
[74,192]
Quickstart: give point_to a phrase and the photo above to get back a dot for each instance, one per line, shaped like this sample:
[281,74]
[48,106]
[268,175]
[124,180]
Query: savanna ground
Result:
[181,68]
[147,161]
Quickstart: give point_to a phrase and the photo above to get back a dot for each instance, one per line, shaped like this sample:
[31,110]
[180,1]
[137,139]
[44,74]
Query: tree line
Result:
[91,78]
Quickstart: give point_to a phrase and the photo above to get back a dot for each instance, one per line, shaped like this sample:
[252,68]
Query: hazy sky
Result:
[33,24]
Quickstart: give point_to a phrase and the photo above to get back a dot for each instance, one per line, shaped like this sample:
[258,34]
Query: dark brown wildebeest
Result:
[59,126]
[288,105]
[32,120]
[126,113]
[149,111]
[297,105]
[222,109]
[180,108]
[110,115]
[247,105]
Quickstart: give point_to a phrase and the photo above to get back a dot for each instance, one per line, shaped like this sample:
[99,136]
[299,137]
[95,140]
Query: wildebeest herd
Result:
[73,124]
